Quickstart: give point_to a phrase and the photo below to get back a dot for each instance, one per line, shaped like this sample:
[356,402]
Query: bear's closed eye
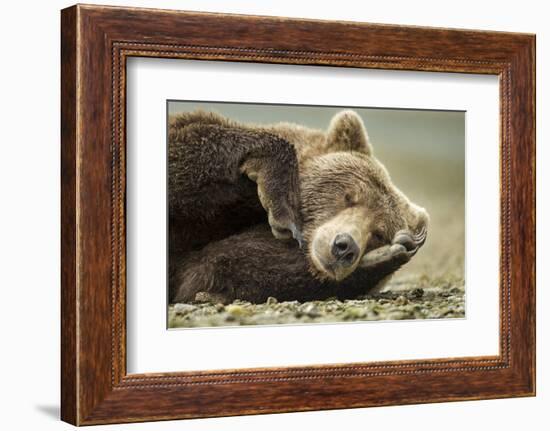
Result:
[350,199]
[378,238]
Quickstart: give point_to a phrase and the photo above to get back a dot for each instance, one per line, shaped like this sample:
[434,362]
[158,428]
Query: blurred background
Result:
[424,153]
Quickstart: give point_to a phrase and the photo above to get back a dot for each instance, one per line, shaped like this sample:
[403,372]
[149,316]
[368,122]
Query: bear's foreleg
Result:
[253,266]
[208,170]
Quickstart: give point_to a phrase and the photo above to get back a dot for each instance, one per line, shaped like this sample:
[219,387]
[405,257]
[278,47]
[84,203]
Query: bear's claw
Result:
[296,234]
[404,246]
[412,243]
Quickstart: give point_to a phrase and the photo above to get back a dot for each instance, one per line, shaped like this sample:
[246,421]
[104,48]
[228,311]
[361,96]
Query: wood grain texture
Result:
[96,41]
[69,367]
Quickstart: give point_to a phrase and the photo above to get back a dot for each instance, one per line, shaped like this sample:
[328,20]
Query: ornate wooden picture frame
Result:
[96,41]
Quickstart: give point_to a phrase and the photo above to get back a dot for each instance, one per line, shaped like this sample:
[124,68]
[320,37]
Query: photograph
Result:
[299,214]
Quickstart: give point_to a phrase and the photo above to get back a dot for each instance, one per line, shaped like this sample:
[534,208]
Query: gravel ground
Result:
[428,299]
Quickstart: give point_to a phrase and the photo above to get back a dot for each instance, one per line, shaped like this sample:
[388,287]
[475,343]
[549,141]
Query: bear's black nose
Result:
[345,249]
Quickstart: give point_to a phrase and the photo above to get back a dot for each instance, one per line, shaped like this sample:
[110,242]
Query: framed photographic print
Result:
[264,214]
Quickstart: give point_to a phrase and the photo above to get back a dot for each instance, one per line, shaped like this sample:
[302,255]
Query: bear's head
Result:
[349,204]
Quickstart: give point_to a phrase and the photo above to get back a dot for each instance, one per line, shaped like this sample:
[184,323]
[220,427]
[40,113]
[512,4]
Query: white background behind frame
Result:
[34,400]
[153,348]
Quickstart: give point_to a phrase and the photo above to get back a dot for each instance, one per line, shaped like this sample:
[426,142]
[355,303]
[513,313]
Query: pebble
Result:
[311,310]
[235,310]
[417,293]
[401,300]
[355,313]
[183,309]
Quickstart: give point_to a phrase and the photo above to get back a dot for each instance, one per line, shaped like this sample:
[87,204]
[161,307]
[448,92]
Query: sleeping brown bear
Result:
[282,211]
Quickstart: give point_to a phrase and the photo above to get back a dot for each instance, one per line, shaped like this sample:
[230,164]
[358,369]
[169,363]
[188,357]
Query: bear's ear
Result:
[347,132]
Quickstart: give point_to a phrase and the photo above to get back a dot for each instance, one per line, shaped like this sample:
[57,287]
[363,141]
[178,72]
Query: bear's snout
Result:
[345,250]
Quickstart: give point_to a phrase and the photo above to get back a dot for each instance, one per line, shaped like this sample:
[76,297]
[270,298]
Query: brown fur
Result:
[230,182]
[252,266]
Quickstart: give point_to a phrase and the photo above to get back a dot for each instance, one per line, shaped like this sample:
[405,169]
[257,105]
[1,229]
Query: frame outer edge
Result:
[523,217]
[88,396]
[69,202]
[532,82]
[533,55]
[531,64]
